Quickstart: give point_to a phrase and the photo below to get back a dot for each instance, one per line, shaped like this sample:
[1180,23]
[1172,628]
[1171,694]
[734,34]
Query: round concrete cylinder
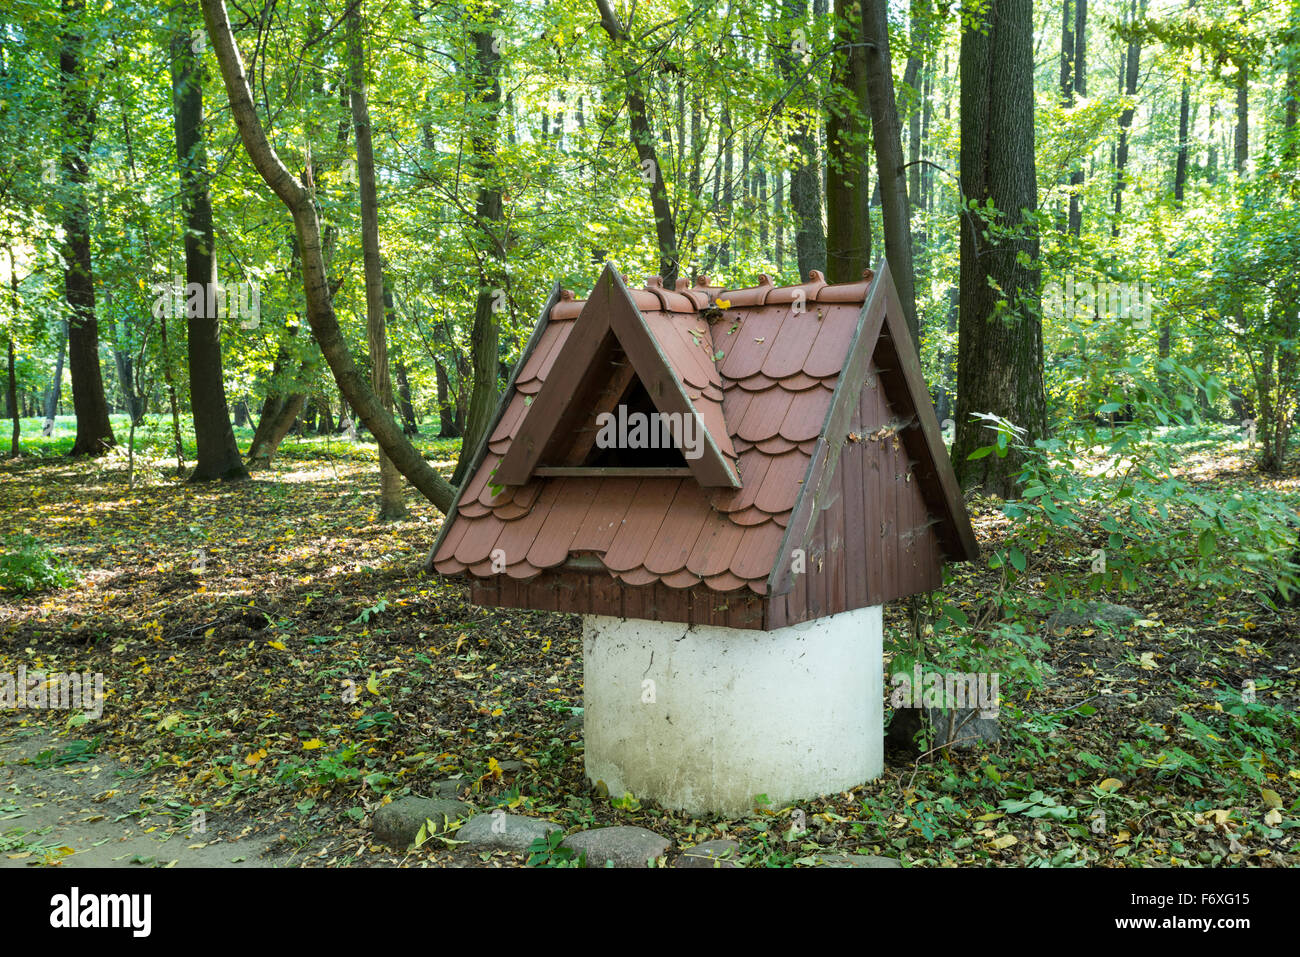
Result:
[703,718]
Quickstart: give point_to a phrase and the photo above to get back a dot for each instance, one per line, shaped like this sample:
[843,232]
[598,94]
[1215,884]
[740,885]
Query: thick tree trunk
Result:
[643,140]
[390,482]
[1000,345]
[891,172]
[848,132]
[218,453]
[278,416]
[94,432]
[485,332]
[320,310]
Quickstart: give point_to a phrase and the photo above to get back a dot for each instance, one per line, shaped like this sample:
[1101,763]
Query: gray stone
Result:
[397,824]
[1091,612]
[711,854]
[505,832]
[855,860]
[510,767]
[963,728]
[618,846]
[453,788]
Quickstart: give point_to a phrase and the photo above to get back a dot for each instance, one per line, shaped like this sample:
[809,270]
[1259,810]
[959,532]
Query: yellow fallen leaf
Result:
[1122,837]
[1148,661]
[989,817]
[1005,841]
[1111,784]
[255,757]
[313,744]
[1273,818]
[277,645]
[1271,797]
[372,684]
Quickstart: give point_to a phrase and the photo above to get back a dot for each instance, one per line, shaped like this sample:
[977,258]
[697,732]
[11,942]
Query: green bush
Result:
[26,566]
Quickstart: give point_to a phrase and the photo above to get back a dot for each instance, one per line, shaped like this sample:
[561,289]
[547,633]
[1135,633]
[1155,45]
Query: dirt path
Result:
[97,813]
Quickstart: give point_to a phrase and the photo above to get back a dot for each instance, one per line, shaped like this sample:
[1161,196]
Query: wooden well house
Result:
[727,485]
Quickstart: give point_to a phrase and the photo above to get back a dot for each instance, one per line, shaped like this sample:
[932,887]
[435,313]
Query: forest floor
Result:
[226,620]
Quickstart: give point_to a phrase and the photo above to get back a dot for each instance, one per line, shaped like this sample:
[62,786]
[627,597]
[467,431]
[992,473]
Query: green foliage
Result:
[547,851]
[27,566]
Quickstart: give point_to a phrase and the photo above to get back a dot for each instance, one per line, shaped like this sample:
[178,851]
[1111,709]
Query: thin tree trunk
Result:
[390,482]
[94,432]
[56,384]
[1132,61]
[848,131]
[218,453]
[643,140]
[12,393]
[891,174]
[320,310]
[1080,89]
[1000,344]
[805,179]
[447,428]
[1241,136]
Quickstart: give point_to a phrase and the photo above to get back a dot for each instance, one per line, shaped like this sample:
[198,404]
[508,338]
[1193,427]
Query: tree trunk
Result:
[390,482]
[485,332]
[13,393]
[405,405]
[278,415]
[320,310]
[1132,60]
[805,180]
[448,427]
[218,453]
[94,432]
[643,141]
[1080,89]
[55,394]
[890,167]
[1241,136]
[848,131]
[1000,345]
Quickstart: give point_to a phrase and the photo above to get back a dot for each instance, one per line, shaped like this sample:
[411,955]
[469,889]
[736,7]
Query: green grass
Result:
[153,440]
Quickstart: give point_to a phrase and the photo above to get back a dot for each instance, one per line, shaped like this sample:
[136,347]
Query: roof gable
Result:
[657,354]
[801,372]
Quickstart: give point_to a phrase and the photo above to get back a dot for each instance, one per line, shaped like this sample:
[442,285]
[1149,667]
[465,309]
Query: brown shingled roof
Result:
[817,421]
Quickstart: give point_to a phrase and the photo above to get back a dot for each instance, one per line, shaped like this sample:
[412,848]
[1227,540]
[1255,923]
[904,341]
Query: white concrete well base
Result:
[703,718]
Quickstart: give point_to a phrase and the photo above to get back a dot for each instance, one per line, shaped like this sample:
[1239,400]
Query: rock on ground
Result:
[618,846]
[711,854]
[501,831]
[1093,611]
[397,824]
[963,728]
[855,860]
